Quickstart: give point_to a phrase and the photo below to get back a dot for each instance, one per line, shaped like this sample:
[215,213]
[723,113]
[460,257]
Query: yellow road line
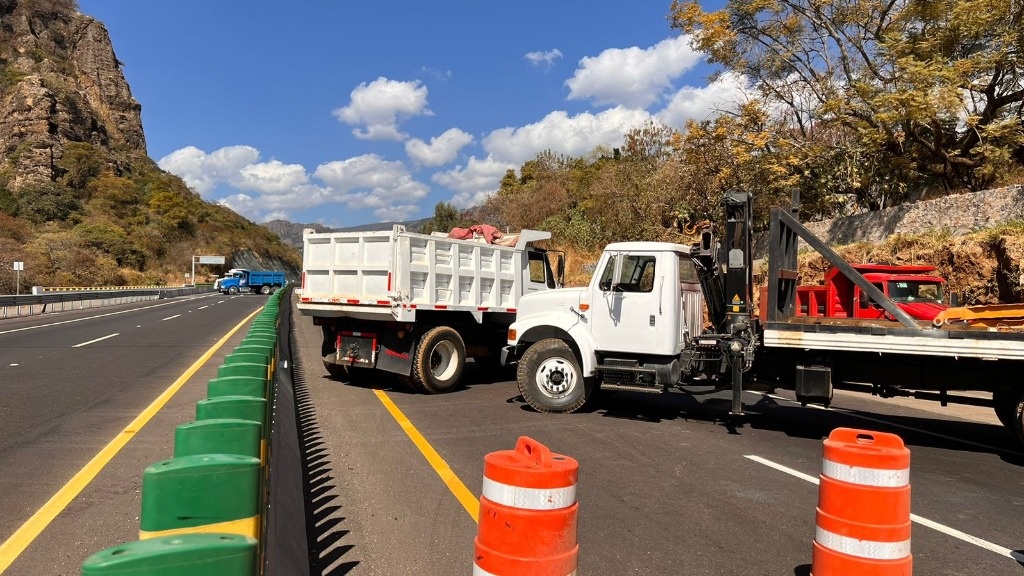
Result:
[30,530]
[464,496]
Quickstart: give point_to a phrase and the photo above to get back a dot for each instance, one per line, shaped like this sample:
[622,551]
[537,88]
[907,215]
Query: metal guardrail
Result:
[32,304]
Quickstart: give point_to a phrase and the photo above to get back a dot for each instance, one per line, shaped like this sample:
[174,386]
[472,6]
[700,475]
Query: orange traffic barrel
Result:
[528,511]
[863,515]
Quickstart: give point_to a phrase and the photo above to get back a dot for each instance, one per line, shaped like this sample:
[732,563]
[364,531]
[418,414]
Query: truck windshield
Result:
[915,291]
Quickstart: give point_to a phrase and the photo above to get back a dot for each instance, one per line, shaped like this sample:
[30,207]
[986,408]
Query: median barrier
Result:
[192,554]
[218,436]
[201,493]
[528,513]
[863,515]
[201,509]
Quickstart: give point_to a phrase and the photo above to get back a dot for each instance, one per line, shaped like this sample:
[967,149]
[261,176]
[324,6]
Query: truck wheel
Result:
[440,358]
[233,290]
[1005,402]
[265,290]
[550,378]
[1010,410]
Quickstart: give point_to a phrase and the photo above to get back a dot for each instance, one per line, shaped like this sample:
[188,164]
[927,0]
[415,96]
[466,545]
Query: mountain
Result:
[81,203]
[291,232]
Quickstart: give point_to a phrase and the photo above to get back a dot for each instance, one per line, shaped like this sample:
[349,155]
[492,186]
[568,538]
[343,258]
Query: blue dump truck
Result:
[238,280]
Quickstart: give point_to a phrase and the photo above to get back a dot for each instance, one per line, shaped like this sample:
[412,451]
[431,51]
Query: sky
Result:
[348,113]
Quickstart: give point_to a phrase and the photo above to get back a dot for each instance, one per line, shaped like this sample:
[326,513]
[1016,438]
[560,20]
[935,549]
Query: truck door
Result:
[626,310]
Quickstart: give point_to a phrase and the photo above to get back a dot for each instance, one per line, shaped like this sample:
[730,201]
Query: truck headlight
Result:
[735,346]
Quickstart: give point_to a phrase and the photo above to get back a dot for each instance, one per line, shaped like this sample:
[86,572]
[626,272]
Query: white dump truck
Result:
[418,305]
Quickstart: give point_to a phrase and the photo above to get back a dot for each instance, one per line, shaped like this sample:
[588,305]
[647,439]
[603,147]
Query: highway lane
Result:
[69,384]
[666,485]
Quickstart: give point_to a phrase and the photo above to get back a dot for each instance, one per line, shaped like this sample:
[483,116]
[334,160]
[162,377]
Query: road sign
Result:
[210,259]
[19,265]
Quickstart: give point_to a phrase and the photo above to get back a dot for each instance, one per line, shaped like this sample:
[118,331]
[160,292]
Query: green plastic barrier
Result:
[202,493]
[192,554]
[246,358]
[256,369]
[218,436]
[241,385]
[241,407]
[252,347]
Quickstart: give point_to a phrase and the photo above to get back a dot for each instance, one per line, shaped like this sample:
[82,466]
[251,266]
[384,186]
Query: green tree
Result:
[80,163]
[47,202]
[446,216]
[917,92]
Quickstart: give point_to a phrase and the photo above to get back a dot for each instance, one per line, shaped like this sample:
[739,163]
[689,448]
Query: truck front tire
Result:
[439,360]
[233,290]
[550,378]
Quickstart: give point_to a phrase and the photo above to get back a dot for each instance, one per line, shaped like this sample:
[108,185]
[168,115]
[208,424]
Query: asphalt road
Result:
[70,383]
[665,485]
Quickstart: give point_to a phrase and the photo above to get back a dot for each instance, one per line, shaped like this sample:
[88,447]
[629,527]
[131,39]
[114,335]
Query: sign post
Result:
[204,260]
[18,267]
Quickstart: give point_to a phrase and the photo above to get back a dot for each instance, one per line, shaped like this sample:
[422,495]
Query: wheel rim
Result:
[556,377]
[443,361]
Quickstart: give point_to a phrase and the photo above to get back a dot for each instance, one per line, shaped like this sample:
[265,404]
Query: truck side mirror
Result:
[560,268]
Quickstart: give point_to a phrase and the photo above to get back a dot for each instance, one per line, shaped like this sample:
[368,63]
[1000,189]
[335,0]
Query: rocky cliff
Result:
[60,82]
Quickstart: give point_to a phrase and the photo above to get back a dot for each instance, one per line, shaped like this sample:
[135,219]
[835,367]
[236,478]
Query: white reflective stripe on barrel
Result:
[529,498]
[862,548]
[865,476]
[478,571]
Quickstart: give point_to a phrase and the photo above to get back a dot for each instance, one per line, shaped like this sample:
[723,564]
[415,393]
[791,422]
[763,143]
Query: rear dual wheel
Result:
[438,362]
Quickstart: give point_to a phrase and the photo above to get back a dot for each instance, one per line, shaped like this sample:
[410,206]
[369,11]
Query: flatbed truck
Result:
[639,325]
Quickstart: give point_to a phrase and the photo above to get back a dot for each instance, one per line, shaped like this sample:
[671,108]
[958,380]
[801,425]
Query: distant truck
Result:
[914,289]
[240,280]
[416,305]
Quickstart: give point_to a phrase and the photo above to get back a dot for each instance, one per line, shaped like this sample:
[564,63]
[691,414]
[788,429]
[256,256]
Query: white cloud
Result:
[573,135]
[272,177]
[474,182]
[546,59]
[381,105]
[725,93]
[441,150]
[202,171]
[632,77]
[369,181]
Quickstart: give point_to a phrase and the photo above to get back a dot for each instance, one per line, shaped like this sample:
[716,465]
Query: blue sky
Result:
[346,113]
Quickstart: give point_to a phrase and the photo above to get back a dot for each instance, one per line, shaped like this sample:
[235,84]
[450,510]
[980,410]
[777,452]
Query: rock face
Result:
[60,82]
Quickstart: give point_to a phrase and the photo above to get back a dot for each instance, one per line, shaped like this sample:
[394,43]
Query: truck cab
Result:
[628,329]
[914,289]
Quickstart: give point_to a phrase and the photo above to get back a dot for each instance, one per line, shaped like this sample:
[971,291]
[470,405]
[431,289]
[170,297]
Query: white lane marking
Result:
[919,519]
[171,317]
[97,316]
[14,364]
[202,307]
[903,426]
[96,340]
